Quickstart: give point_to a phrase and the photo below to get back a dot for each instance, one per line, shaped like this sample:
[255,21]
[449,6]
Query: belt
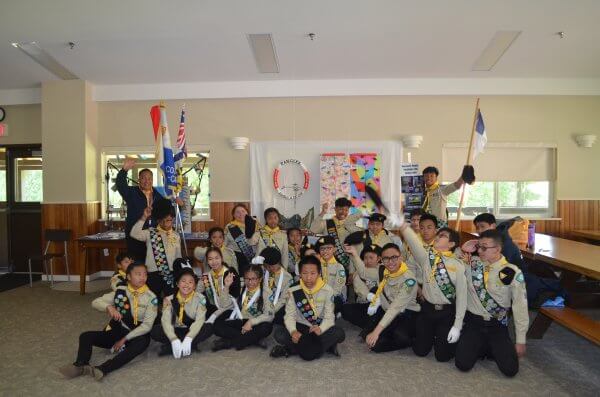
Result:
[434,307]
[480,320]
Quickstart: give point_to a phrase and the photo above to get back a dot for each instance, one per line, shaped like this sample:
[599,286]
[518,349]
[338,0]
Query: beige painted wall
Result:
[440,119]
[24,125]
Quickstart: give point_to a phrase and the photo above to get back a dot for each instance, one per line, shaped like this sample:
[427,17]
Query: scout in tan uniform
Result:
[392,307]
[250,320]
[365,282]
[276,282]
[120,276]
[294,250]
[163,246]
[444,291]
[182,325]
[132,309]
[241,236]
[310,328]
[427,231]
[332,272]
[216,236]
[436,195]
[212,285]
[338,227]
[271,236]
[415,219]
[494,288]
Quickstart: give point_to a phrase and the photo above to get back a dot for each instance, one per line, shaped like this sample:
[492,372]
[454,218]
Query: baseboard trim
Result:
[75,277]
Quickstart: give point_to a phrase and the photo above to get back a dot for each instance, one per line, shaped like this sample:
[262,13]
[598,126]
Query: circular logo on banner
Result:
[295,174]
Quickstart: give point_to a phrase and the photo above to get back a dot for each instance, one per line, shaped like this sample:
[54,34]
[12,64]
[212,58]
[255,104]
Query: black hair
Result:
[485,217]
[493,234]
[291,229]
[415,212]
[271,210]
[133,266]
[145,170]
[238,205]
[213,249]
[214,230]
[310,260]
[427,216]
[256,269]
[431,170]
[453,236]
[162,208]
[391,246]
[305,248]
[122,255]
[183,272]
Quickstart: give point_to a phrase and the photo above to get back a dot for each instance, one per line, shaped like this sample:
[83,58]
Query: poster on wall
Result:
[412,187]
[335,178]
[365,171]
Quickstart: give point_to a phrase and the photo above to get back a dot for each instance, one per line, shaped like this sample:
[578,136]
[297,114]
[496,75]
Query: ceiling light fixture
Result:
[35,52]
[496,48]
[263,49]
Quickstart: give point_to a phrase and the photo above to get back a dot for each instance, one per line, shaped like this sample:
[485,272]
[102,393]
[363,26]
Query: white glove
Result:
[258,260]
[186,346]
[372,309]
[453,335]
[396,220]
[370,296]
[176,347]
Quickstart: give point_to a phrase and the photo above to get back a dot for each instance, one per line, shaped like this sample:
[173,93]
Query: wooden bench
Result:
[568,318]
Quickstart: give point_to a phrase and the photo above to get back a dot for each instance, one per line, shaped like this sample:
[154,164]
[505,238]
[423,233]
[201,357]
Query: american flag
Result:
[181,153]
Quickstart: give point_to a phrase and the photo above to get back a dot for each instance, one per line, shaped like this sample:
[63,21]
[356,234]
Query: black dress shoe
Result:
[279,351]
[165,350]
[262,344]
[334,350]
[221,344]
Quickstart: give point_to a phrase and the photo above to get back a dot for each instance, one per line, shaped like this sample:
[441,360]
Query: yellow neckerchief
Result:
[249,294]
[270,233]
[386,276]
[272,277]
[216,277]
[486,269]
[182,302]
[122,273]
[238,224]
[438,259]
[324,265]
[428,191]
[292,249]
[171,235]
[380,235]
[310,293]
[136,293]
[339,223]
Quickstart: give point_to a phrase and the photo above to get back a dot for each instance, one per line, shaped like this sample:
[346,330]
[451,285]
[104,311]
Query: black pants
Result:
[356,314]
[329,338]
[107,339]
[136,248]
[338,302]
[486,338]
[278,319]
[158,285]
[397,335]
[432,328]
[243,262]
[158,334]
[231,330]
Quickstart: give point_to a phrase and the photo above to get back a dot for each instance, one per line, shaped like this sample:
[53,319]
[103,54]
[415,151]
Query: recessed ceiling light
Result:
[263,49]
[35,52]
[496,48]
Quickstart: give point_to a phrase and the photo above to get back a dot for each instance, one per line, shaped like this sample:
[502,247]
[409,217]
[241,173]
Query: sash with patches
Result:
[123,306]
[160,256]
[210,295]
[255,304]
[441,276]
[305,308]
[242,242]
[487,301]
[340,253]
[122,280]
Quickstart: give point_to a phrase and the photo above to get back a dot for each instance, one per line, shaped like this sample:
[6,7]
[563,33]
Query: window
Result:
[28,179]
[529,199]
[193,168]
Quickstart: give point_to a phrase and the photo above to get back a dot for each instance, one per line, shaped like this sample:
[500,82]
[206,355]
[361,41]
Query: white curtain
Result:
[266,155]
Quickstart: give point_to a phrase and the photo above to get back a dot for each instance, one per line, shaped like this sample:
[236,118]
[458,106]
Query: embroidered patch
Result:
[154,301]
[342,273]
[520,278]
[410,282]
[202,300]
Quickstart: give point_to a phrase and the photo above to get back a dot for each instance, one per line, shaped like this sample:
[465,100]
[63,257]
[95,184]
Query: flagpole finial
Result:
[162,104]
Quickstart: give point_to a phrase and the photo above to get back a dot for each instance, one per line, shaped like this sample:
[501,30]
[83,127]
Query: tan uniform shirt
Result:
[438,200]
[364,279]
[269,293]
[146,314]
[344,228]
[324,309]
[204,288]
[253,312]
[230,242]
[228,256]
[171,242]
[431,290]
[334,275]
[278,239]
[513,295]
[195,309]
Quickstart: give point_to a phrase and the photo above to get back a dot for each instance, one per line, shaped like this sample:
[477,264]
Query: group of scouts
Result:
[419,289]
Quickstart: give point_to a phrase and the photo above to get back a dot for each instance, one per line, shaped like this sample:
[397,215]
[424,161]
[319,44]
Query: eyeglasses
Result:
[327,248]
[386,259]
[483,248]
[246,279]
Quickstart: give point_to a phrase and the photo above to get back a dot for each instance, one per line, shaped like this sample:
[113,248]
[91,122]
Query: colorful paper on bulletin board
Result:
[365,171]
[335,178]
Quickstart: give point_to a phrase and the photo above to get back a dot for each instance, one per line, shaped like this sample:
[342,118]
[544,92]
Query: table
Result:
[116,240]
[592,236]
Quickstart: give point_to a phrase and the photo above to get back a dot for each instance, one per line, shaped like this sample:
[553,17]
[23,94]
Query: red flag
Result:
[155,116]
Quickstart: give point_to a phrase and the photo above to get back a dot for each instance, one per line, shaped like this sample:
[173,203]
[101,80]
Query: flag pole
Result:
[464,187]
